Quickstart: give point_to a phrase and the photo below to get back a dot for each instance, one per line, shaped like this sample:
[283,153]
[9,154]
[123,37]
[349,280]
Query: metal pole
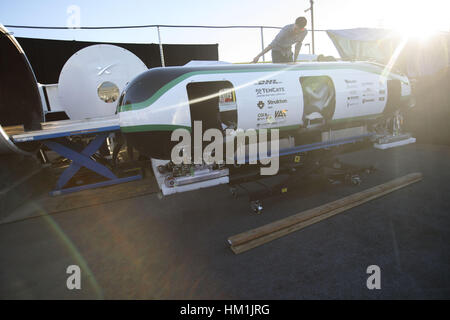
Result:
[161,52]
[262,43]
[312,25]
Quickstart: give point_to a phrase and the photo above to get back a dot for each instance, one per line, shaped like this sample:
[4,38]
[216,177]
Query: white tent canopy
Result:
[415,57]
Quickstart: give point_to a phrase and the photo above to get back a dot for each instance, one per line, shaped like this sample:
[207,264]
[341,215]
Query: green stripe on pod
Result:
[144,104]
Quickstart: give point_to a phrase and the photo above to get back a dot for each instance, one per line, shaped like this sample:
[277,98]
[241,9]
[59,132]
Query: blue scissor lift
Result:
[52,135]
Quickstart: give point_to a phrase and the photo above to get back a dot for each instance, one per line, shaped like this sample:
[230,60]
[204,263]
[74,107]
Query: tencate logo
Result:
[260,91]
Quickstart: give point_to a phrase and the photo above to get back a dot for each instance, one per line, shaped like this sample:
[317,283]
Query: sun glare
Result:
[420,19]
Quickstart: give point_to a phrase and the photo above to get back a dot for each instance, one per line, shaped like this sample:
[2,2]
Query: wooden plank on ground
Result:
[258,236]
[98,196]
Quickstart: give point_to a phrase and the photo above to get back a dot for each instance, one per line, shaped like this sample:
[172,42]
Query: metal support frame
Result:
[294,172]
[83,159]
[312,146]
[348,174]
[262,43]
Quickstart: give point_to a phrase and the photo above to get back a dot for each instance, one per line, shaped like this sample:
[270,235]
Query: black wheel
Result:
[256,206]
[355,180]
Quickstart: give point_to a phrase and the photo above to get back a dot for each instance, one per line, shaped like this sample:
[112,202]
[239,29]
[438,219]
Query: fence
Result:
[240,40]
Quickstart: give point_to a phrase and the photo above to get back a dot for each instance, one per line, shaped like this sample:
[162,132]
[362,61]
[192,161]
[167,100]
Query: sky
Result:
[235,45]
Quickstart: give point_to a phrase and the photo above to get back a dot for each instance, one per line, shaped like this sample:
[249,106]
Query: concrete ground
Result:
[145,248]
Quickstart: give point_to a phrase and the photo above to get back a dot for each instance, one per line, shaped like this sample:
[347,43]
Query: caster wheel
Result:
[233,192]
[355,180]
[256,206]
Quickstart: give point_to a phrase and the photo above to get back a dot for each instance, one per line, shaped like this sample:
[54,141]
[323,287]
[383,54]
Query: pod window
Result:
[319,98]
[213,103]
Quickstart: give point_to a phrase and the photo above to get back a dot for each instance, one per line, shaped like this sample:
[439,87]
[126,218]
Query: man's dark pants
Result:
[278,57]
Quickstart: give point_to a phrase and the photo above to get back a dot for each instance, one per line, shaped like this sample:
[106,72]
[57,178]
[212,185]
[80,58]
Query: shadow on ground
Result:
[145,248]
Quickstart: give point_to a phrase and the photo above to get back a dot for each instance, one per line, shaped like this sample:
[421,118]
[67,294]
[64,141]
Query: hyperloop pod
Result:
[315,106]
[310,103]
[20,101]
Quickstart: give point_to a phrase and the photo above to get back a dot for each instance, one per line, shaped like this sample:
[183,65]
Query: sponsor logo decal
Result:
[260,104]
[266,82]
[263,116]
[280,114]
[278,101]
[262,91]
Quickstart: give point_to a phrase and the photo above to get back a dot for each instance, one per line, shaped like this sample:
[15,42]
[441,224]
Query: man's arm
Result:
[267,49]
[298,45]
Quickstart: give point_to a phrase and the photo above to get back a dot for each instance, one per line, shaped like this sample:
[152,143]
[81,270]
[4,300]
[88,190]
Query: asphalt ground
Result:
[175,248]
